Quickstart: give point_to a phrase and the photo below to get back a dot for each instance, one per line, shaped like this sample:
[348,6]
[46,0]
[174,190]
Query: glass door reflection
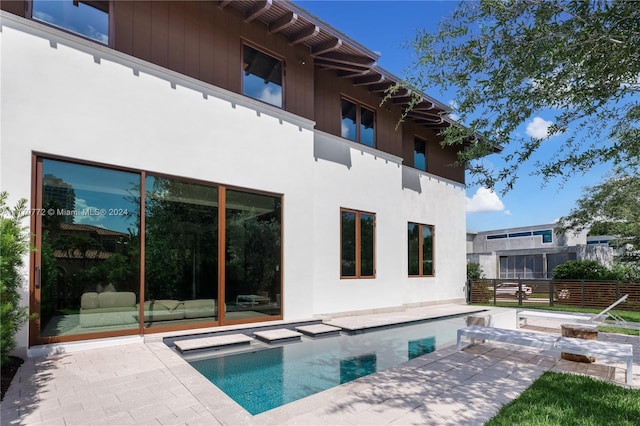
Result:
[252,256]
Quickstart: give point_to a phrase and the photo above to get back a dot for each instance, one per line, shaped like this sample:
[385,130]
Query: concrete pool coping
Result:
[149,384]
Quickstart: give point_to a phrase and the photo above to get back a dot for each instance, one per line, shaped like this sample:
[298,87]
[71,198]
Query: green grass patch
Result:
[567,399]
[613,329]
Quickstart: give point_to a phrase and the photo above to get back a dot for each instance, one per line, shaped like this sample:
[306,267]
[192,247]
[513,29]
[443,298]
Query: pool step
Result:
[212,342]
[279,335]
[319,330]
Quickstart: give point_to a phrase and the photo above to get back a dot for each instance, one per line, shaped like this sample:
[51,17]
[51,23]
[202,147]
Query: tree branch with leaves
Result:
[613,208]
[506,62]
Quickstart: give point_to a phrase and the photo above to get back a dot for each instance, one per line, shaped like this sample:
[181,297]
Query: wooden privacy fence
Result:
[577,293]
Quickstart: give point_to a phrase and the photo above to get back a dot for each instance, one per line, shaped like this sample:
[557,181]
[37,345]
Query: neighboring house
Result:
[235,158]
[531,252]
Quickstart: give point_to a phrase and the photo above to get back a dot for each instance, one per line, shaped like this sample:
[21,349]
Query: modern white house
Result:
[531,252]
[192,164]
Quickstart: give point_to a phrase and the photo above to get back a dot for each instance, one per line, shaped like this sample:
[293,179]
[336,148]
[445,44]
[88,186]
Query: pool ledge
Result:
[361,323]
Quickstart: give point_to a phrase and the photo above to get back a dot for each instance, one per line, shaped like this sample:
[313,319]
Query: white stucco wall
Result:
[67,97]
[436,201]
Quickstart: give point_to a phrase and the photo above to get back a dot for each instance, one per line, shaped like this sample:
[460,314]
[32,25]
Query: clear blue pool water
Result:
[267,378]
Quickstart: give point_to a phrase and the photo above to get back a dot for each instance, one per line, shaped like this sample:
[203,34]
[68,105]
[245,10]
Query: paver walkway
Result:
[149,384]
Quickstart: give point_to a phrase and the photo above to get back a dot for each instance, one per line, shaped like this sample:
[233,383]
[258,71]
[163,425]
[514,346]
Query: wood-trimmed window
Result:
[420,250]
[358,123]
[420,154]
[262,76]
[89,19]
[357,244]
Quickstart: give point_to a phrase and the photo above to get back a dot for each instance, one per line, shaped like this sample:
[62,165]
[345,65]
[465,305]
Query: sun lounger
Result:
[600,318]
[577,318]
[615,351]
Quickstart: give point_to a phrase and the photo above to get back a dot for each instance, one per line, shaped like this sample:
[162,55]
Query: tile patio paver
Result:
[150,384]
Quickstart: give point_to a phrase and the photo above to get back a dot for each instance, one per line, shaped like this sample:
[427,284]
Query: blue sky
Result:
[386,27]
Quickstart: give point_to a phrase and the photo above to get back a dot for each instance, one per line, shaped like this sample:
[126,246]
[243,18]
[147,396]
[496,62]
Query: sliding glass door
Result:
[252,256]
[181,252]
[89,254]
[97,275]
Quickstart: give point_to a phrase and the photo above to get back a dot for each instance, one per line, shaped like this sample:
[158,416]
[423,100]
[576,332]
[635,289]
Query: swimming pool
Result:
[269,376]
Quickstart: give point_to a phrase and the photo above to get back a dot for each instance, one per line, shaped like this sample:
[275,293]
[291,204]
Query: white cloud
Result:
[507,212]
[86,214]
[38,14]
[538,128]
[344,130]
[453,104]
[97,35]
[271,96]
[484,200]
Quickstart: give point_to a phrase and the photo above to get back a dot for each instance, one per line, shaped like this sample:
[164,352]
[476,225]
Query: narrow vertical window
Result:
[357,244]
[420,154]
[261,76]
[427,249]
[358,123]
[367,230]
[420,250]
[414,249]
[86,18]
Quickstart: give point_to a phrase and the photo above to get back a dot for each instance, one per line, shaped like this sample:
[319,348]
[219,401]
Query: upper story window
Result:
[358,123]
[357,249]
[86,18]
[547,235]
[420,154]
[261,76]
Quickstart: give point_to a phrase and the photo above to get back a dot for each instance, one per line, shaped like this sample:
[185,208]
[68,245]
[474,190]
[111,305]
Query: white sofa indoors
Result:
[111,308]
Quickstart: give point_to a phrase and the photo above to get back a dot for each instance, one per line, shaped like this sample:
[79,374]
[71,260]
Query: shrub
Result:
[14,244]
[581,270]
[627,272]
[592,270]
[474,271]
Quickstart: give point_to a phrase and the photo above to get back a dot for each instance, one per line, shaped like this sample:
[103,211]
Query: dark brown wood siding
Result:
[17,7]
[439,159]
[203,41]
[329,90]
[390,137]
